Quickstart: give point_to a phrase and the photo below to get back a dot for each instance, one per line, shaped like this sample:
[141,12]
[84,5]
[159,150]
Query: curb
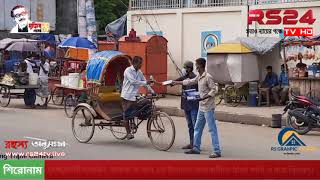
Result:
[223,116]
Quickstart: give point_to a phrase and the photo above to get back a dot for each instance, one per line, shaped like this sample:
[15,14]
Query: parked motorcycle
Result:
[303,115]
[294,103]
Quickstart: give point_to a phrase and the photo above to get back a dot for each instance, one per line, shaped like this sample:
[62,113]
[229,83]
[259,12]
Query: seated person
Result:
[271,79]
[301,65]
[282,89]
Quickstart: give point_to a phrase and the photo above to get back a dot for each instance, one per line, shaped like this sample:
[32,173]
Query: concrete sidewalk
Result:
[261,116]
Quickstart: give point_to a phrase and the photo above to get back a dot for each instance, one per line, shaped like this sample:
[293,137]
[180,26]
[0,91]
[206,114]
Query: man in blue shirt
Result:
[190,107]
[271,79]
[282,89]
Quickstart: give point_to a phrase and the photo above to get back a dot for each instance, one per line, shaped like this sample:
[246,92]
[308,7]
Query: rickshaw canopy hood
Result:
[98,63]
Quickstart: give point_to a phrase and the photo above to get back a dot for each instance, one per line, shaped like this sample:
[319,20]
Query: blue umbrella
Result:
[78,42]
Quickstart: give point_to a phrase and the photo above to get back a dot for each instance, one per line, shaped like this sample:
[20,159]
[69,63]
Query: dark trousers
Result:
[191,117]
[126,105]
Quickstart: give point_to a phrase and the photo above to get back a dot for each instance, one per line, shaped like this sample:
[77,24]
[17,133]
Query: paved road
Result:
[238,141]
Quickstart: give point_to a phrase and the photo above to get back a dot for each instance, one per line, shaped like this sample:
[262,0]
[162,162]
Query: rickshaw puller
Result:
[133,80]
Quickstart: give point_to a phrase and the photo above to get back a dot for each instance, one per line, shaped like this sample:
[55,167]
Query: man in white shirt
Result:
[133,80]
[29,65]
[43,79]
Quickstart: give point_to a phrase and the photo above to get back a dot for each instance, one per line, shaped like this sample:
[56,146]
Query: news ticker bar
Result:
[159,169]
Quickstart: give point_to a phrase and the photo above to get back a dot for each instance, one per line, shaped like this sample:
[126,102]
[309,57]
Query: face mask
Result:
[184,72]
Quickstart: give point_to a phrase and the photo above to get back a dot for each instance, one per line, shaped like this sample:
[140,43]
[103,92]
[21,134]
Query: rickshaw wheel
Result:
[161,131]
[83,124]
[57,96]
[118,132]
[219,95]
[5,96]
[218,99]
[70,104]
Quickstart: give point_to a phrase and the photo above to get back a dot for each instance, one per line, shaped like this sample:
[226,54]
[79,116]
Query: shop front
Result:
[302,58]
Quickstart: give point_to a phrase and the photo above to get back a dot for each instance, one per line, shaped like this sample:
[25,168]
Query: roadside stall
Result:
[73,54]
[13,82]
[302,59]
[9,58]
[235,66]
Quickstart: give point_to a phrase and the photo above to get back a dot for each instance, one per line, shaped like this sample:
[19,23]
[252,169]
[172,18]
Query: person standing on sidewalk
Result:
[207,89]
[190,107]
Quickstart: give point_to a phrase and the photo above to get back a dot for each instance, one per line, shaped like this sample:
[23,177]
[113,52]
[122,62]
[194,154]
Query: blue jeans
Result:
[191,117]
[201,122]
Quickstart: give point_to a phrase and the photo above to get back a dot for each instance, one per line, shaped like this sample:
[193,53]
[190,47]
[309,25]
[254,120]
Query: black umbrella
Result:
[27,46]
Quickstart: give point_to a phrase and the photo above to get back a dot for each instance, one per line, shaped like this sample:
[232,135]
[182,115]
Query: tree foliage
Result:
[108,11]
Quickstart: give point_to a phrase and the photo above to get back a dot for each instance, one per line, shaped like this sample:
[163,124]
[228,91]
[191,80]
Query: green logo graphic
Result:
[22,169]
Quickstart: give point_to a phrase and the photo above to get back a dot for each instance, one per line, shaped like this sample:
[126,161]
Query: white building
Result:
[187,23]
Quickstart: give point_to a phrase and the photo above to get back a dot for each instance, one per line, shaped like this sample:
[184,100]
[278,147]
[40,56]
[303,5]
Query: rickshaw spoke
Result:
[118,132]
[83,124]
[161,131]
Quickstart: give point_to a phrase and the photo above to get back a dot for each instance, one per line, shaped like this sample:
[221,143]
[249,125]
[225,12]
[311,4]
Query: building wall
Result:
[67,22]
[40,10]
[183,28]
[195,23]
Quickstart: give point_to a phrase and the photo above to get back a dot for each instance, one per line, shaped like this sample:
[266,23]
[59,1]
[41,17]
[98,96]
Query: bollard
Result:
[276,120]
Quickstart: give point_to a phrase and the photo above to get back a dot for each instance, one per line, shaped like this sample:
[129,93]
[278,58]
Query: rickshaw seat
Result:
[110,97]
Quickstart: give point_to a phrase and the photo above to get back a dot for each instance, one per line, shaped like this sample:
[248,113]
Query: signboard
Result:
[23,24]
[209,39]
[292,22]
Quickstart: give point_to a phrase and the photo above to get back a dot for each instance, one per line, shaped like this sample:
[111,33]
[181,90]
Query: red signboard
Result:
[172,169]
[276,17]
[298,31]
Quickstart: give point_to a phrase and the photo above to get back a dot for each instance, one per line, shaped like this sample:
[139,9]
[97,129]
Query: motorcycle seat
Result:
[317,103]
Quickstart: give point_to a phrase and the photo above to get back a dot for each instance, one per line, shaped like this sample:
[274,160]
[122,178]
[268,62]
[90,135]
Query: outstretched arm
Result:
[187,81]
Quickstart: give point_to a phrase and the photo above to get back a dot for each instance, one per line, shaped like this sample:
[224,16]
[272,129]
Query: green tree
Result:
[108,11]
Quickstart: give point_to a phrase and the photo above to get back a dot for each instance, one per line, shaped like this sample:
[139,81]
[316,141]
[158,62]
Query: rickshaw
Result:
[103,108]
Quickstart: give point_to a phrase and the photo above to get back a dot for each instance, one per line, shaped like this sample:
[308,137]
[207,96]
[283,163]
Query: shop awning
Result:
[235,48]
[260,45]
[257,45]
